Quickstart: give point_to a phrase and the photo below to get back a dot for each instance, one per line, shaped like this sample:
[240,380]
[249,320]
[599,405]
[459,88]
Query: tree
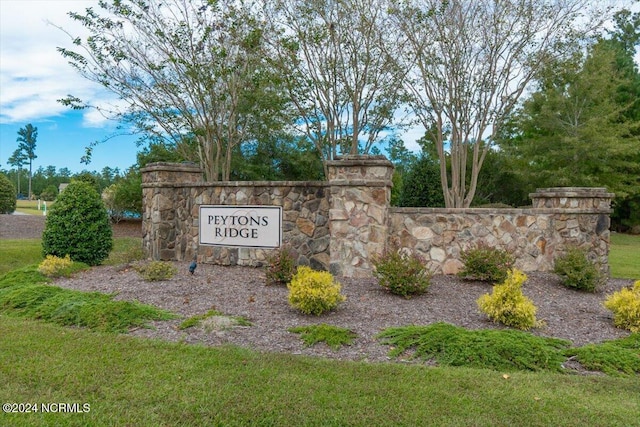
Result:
[27,144]
[582,126]
[470,62]
[17,160]
[185,69]
[343,84]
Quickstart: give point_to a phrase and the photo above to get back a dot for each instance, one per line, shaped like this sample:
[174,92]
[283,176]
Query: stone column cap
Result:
[572,192]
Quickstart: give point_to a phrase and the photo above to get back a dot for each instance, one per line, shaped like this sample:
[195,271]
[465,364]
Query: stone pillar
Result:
[580,217]
[358,213]
[161,183]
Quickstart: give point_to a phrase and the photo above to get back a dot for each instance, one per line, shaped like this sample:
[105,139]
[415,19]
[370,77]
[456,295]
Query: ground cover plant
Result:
[614,357]
[334,336]
[154,271]
[450,345]
[26,293]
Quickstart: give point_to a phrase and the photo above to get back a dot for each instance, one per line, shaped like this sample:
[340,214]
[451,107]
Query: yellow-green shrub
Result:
[53,266]
[314,292]
[507,304]
[625,305]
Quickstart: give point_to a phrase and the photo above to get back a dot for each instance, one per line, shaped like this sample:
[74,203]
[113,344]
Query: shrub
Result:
[486,264]
[7,195]
[401,273]
[53,266]
[314,292]
[576,271]
[625,305]
[333,336]
[78,225]
[156,271]
[281,266]
[507,304]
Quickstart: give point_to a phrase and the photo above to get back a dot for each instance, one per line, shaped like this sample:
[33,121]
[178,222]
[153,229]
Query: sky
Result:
[33,76]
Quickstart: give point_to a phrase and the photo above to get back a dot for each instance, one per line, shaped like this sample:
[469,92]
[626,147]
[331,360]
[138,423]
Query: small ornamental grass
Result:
[401,273]
[625,305]
[281,266]
[199,319]
[333,336]
[507,304]
[577,272]
[155,271]
[314,292]
[486,264]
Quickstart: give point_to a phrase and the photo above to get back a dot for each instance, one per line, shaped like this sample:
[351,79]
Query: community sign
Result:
[241,226]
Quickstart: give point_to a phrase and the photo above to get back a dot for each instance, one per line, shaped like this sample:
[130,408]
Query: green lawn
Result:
[31,207]
[128,381]
[19,253]
[624,256]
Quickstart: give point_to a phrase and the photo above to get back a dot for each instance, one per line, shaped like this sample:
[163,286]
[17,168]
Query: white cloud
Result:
[33,75]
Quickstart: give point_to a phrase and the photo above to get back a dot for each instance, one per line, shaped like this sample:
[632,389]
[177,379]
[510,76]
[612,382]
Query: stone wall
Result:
[561,218]
[171,208]
[340,225]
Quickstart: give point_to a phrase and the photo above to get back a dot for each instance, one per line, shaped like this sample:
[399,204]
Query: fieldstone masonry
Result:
[341,224]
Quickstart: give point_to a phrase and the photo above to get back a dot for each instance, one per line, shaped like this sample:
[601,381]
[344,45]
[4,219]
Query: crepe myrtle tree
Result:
[343,83]
[183,69]
[469,64]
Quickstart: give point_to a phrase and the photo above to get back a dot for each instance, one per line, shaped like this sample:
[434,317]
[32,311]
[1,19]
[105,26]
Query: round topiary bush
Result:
[78,225]
[7,196]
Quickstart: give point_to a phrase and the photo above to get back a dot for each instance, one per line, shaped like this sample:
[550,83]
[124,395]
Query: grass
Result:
[624,256]
[18,253]
[31,206]
[130,381]
[334,336]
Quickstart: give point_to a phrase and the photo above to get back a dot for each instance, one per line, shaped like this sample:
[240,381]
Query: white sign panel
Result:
[241,226]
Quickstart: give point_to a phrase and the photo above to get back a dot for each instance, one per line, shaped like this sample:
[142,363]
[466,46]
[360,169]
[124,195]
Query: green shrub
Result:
[78,225]
[156,271]
[281,266]
[7,195]
[314,292]
[486,264]
[576,271]
[333,336]
[507,304]
[625,305]
[401,273]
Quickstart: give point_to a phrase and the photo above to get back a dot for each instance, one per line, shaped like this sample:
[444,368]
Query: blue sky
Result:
[33,75]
